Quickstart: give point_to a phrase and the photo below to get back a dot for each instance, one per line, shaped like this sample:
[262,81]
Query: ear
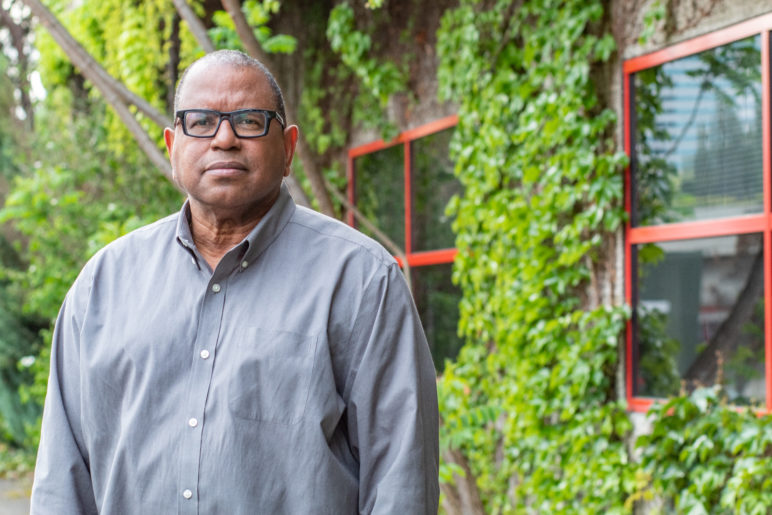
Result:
[290,140]
[169,139]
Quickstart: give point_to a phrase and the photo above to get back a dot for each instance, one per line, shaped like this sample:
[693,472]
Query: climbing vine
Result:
[531,403]
[706,456]
[380,79]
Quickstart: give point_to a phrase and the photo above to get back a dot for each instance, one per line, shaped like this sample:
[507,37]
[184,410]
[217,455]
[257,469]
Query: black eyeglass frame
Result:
[270,115]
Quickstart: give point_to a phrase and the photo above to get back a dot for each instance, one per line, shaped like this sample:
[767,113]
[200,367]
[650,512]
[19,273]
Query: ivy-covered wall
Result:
[533,409]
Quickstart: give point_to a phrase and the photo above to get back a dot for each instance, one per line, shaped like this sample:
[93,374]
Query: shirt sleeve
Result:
[393,419]
[62,481]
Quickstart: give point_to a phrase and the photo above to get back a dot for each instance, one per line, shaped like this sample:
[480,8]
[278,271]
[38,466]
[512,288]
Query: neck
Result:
[214,235]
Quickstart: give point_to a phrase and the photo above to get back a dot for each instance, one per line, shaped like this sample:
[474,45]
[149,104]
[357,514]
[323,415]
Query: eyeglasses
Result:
[246,123]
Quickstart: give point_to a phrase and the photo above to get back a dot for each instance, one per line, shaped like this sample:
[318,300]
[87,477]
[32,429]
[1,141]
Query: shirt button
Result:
[244,264]
[216,288]
[204,354]
[192,422]
[187,494]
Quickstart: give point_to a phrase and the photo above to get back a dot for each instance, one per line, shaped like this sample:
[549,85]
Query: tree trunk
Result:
[704,370]
[18,36]
[462,498]
[173,66]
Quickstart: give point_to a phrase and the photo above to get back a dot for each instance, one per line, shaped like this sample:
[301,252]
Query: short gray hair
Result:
[236,59]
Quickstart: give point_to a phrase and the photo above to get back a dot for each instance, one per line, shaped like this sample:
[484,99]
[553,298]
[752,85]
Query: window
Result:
[403,187]
[699,236]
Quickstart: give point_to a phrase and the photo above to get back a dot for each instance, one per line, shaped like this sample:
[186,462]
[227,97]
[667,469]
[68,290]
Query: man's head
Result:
[238,60]
[227,175]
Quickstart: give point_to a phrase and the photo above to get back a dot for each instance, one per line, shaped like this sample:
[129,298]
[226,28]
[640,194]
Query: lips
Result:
[225,169]
[225,165]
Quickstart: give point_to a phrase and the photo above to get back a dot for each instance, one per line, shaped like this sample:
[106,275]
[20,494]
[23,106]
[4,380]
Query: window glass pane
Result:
[433,185]
[437,300]
[700,317]
[380,191]
[697,148]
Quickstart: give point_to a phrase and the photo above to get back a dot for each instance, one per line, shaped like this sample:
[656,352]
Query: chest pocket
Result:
[271,376]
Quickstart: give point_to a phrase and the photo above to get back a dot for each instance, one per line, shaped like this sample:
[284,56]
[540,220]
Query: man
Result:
[244,356]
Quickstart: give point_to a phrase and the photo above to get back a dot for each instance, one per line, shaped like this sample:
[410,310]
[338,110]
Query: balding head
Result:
[235,59]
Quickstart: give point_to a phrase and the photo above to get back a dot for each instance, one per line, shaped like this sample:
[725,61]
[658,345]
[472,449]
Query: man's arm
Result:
[392,411]
[62,480]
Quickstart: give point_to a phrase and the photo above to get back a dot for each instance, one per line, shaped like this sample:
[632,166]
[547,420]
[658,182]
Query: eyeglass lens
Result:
[244,123]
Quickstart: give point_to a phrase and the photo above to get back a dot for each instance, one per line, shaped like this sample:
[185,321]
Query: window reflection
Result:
[700,317]
[380,191]
[437,300]
[433,186]
[697,151]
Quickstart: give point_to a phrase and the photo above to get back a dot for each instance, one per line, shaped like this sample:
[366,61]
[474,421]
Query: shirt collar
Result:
[259,238]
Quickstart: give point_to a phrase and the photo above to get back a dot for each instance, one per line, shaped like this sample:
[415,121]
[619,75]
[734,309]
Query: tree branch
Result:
[89,67]
[114,93]
[195,25]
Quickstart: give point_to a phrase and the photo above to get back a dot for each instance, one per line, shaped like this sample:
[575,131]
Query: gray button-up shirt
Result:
[294,378]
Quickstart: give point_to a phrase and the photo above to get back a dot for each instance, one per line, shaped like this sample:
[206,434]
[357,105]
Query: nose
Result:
[225,137]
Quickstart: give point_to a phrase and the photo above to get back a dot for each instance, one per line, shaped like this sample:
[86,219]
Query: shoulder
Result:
[328,234]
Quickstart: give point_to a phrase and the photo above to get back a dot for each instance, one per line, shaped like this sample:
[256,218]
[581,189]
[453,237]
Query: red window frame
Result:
[414,259]
[759,223]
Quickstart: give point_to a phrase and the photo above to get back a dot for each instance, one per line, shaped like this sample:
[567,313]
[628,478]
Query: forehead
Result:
[226,87]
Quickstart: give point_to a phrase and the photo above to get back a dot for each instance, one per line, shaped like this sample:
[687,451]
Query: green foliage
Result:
[658,352]
[380,79]
[323,106]
[82,183]
[258,14]
[76,199]
[18,346]
[15,462]
[707,456]
[531,400]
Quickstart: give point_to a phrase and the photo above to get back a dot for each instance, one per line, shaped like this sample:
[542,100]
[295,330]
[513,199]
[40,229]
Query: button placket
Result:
[202,367]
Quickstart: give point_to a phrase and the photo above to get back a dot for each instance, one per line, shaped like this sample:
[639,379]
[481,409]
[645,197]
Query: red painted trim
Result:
[432,257]
[640,404]
[702,229]
[766,134]
[700,43]
[761,222]
[626,108]
[373,146]
[409,135]
[408,182]
[430,128]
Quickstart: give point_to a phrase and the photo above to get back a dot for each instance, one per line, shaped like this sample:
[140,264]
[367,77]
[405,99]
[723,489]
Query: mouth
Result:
[225,168]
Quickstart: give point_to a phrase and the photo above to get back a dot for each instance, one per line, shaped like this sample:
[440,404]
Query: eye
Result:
[197,120]
[254,121]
